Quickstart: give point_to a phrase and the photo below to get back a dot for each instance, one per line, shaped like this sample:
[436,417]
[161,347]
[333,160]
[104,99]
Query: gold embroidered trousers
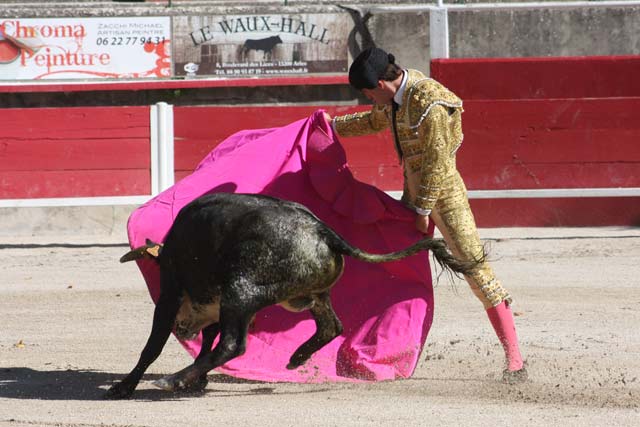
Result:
[453,217]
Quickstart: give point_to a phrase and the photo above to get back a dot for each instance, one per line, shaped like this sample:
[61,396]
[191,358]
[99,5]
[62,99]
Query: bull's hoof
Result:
[168,383]
[176,383]
[515,377]
[296,361]
[197,386]
[119,391]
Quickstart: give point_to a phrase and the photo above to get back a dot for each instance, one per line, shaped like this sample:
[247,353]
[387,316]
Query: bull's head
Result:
[192,318]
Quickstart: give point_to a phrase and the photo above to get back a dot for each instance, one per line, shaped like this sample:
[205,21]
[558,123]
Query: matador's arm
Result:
[363,123]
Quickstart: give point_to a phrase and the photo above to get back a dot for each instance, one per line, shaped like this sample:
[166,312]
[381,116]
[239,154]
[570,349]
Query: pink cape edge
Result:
[386,309]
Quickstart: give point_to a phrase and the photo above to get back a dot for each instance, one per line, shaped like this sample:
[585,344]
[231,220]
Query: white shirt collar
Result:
[403,85]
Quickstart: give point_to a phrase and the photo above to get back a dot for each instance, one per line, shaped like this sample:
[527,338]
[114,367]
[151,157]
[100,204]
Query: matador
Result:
[425,119]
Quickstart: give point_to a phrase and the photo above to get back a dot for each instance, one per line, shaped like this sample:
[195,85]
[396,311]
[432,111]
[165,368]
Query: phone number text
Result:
[128,41]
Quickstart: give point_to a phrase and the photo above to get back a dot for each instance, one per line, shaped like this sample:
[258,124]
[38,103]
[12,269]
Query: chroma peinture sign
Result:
[261,45]
[74,48]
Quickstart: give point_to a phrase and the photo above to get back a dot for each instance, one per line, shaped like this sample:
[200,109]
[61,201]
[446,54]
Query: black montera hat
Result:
[369,67]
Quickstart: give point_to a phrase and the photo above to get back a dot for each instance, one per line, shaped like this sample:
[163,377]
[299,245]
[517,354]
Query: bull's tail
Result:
[149,250]
[437,247]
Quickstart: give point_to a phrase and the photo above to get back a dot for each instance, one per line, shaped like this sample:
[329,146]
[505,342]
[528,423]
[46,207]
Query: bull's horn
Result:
[150,250]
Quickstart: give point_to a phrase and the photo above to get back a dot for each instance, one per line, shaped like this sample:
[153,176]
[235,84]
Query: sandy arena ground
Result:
[73,320]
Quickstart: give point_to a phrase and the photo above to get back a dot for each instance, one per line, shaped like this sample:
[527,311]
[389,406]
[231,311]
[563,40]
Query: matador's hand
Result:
[327,117]
[422,223]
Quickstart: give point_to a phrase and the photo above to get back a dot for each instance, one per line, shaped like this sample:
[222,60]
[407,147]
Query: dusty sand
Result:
[74,320]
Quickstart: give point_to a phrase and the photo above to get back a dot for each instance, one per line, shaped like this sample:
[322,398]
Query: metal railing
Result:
[439,14]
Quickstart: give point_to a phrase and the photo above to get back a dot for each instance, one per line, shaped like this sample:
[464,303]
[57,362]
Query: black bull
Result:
[266,45]
[228,256]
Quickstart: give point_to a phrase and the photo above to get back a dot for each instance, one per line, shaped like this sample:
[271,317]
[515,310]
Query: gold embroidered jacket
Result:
[429,130]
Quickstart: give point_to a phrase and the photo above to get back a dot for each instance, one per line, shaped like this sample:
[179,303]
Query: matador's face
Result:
[381,94]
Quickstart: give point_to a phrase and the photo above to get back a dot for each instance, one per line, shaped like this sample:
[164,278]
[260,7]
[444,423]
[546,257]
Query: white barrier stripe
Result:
[555,193]
[154,141]
[74,201]
[165,145]
[551,193]
[473,194]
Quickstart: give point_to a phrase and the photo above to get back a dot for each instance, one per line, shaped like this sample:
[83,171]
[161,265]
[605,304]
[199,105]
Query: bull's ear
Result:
[154,250]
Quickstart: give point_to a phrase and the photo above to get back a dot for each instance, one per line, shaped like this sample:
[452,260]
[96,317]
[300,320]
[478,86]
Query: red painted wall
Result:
[558,143]
[529,123]
[540,123]
[74,152]
[539,144]
[540,78]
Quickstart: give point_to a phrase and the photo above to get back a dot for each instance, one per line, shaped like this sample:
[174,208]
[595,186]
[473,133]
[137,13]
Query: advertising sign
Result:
[261,45]
[81,48]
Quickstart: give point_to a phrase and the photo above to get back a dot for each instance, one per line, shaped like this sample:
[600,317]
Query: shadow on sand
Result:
[27,383]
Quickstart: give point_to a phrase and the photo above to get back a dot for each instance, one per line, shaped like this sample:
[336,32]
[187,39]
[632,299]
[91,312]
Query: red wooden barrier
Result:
[545,123]
[561,143]
[542,148]
[557,212]
[74,152]
[540,78]
[529,123]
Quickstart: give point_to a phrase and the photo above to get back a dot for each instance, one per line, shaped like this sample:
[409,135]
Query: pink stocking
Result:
[502,321]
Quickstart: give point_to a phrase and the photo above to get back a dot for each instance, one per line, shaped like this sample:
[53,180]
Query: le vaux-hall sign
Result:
[261,45]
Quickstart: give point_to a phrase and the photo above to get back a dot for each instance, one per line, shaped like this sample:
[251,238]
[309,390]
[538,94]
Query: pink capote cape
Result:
[386,309]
